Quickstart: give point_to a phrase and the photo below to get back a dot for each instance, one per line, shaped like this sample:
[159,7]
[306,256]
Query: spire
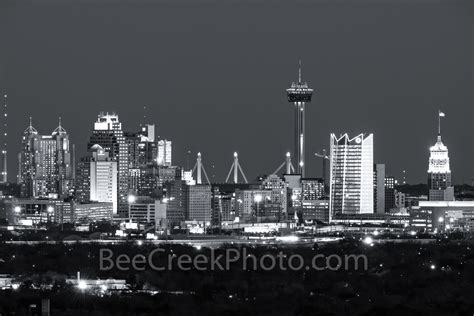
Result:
[30,129]
[59,129]
[299,71]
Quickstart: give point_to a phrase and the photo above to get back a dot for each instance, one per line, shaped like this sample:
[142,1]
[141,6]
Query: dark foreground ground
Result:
[401,279]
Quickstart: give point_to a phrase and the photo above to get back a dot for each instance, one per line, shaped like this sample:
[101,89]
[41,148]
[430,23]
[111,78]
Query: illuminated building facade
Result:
[351,174]
[108,134]
[379,188]
[164,152]
[439,173]
[103,177]
[198,203]
[314,205]
[389,193]
[46,166]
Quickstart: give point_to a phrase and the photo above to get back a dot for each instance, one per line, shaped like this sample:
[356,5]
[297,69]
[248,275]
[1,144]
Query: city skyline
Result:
[217,178]
[380,86]
[261,157]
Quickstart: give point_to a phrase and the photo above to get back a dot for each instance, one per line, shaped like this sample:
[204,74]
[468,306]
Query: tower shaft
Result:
[299,93]
[299,137]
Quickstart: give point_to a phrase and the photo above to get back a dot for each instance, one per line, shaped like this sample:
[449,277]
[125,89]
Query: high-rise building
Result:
[389,193]
[108,134]
[103,177]
[46,163]
[379,188]
[198,203]
[314,204]
[83,180]
[312,188]
[164,152]
[351,175]
[223,206]
[176,202]
[299,93]
[439,172]
[142,147]
[226,202]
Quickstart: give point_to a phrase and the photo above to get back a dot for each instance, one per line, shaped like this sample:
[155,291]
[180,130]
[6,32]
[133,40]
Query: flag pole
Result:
[439,122]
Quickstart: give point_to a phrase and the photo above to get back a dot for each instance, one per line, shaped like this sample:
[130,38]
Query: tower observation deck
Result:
[299,93]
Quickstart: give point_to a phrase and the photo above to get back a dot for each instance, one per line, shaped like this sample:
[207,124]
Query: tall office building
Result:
[83,180]
[379,188]
[389,193]
[314,204]
[439,172]
[46,163]
[351,175]
[142,147]
[226,201]
[198,203]
[164,152]
[108,134]
[103,177]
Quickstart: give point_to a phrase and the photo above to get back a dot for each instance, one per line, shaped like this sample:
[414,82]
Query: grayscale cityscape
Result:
[292,211]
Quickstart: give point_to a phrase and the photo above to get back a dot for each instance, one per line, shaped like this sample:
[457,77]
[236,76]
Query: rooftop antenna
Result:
[299,71]
[4,149]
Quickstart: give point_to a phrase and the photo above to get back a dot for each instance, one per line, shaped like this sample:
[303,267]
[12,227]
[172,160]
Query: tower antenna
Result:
[5,134]
[299,71]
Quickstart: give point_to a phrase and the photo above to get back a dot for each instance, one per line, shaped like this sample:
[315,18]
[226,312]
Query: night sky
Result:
[213,75]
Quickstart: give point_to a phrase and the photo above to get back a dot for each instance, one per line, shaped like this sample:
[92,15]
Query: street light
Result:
[82,285]
[50,211]
[257,198]
[17,209]
[132,199]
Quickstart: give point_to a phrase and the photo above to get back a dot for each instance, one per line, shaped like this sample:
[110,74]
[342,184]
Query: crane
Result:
[324,157]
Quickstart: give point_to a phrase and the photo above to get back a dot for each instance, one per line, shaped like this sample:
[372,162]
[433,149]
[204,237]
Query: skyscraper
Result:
[314,204]
[439,172]
[109,135]
[389,193]
[46,163]
[164,152]
[379,188]
[351,175]
[198,203]
[299,93]
[103,177]
[142,147]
